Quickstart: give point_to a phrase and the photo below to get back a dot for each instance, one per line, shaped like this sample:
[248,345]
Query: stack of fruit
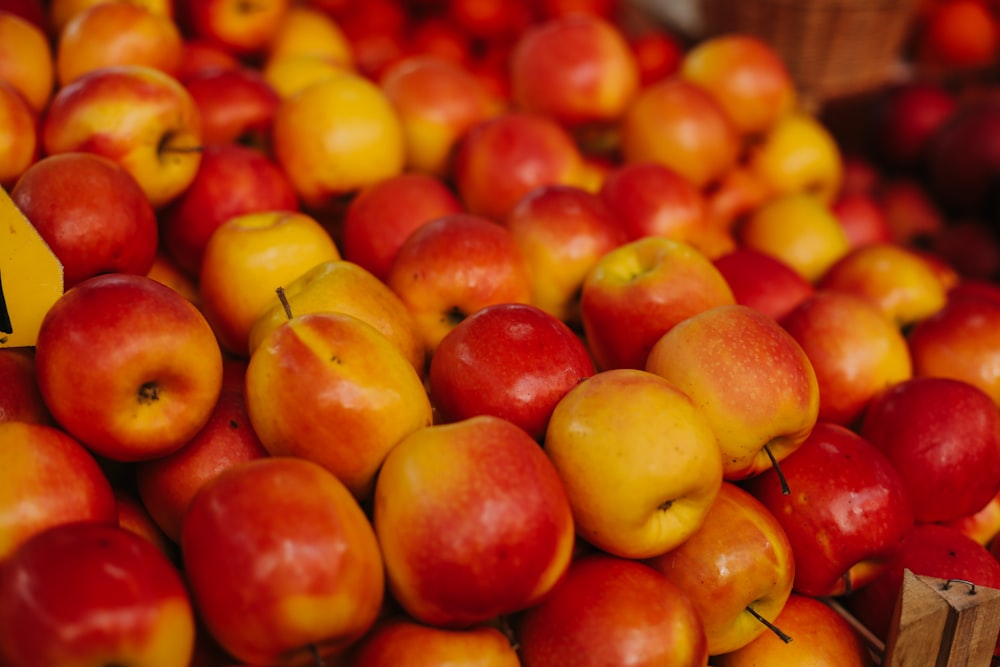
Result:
[423,332]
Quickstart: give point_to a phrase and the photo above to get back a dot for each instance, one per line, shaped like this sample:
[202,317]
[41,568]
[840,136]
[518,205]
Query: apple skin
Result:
[963,159]
[940,434]
[982,525]
[20,398]
[638,291]
[862,218]
[91,212]
[235,104]
[118,600]
[19,135]
[640,463]
[739,558]
[279,558]
[847,509]
[903,119]
[48,478]
[243,30]
[634,616]
[762,281]
[746,374]
[160,145]
[26,58]
[511,360]
[514,521]
[799,154]
[132,516]
[403,642]
[128,366]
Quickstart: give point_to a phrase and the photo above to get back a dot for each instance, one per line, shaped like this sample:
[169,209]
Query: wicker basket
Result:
[832,48]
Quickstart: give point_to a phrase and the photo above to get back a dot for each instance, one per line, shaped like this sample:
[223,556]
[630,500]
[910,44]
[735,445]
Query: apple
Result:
[821,637]
[166,272]
[982,525]
[763,281]
[800,230]
[746,76]
[501,159]
[289,75]
[848,508]
[244,29]
[913,214]
[905,116]
[737,569]
[118,33]
[160,145]
[510,360]
[438,101]
[748,377]
[379,217]
[235,104]
[956,35]
[940,434]
[62,12]
[563,230]
[577,69]
[281,561]
[862,173]
[435,35]
[799,154]
[20,142]
[658,52]
[490,20]
[128,366]
[20,398]
[639,461]
[738,193]
[862,217]
[635,293]
[26,59]
[454,265]
[306,30]
[199,56]
[336,137]
[264,250]
[49,478]
[331,388]
[855,350]
[344,287]
[634,616]
[514,521]
[401,641]
[678,124]
[132,516]
[652,199]
[970,246]
[117,600]
[92,213]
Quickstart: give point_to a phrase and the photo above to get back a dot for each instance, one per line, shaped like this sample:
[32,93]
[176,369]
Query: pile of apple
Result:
[475,332]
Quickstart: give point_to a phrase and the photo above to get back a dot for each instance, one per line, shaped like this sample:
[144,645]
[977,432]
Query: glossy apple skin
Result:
[118,600]
[762,281]
[232,180]
[515,521]
[638,291]
[913,214]
[940,434]
[399,640]
[91,212]
[651,199]
[280,557]
[635,616]
[128,366]
[26,58]
[48,478]
[848,507]
[236,105]
[739,557]
[513,361]
[749,377]
[20,398]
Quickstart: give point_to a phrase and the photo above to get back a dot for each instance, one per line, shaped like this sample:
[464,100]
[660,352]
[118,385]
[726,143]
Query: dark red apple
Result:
[862,218]
[763,281]
[236,104]
[905,117]
[963,159]
[651,199]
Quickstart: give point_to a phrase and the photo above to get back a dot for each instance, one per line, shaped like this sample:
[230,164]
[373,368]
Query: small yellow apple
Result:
[799,154]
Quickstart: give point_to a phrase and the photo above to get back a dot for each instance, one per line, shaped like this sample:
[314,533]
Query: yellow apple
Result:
[639,461]
[62,11]
[26,60]
[306,30]
[19,135]
[799,154]
[289,75]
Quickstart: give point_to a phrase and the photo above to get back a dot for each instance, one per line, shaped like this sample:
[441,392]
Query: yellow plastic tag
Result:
[31,278]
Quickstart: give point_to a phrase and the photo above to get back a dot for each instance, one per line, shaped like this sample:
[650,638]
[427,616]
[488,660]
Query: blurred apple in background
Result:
[453,266]
[736,569]
[20,138]
[401,641]
[798,155]
[854,348]
[26,59]
[514,521]
[563,230]
[380,217]
[32,11]
[128,366]
[848,508]
[161,143]
[639,462]
[971,246]
[199,56]
[638,291]
[903,119]
[762,281]
[48,478]
[657,52]
[236,105]
[290,75]
[509,360]
[281,561]
[940,434]
[749,378]
[20,398]
[62,12]
[244,30]
[166,271]
[635,616]
[956,35]
[862,218]
[913,215]
[306,30]
[232,180]
[118,599]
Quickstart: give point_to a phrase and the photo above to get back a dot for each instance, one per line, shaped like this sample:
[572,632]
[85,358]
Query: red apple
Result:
[400,641]
[511,360]
[913,215]
[236,104]
[132,516]
[651,199]
[963,159]
[848,507]
[905,116]
[862,218]
[20,399]
[243,29]
[20,140]
[763,281]
[634,616]
[89,593]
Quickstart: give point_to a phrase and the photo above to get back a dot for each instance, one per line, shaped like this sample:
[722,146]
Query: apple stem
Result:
[284,302]
[777,469]
[769,625]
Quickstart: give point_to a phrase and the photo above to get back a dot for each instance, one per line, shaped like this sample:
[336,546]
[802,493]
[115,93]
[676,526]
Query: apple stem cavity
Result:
[769,625]
[149,393]
[785,491]
[284,302]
